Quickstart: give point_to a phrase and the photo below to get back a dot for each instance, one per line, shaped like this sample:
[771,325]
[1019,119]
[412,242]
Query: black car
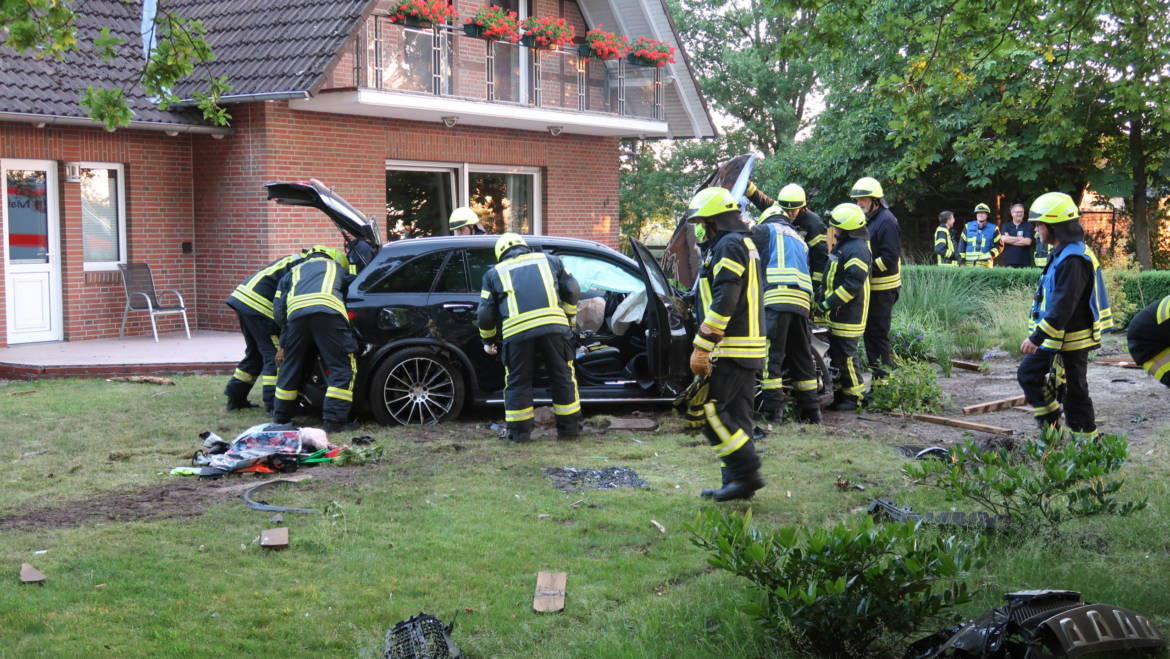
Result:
[413,307]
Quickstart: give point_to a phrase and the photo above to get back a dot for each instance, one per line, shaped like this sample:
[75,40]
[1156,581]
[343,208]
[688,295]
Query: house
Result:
[404,122]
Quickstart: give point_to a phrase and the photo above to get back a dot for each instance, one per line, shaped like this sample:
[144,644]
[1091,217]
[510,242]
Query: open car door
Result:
[668,341]
[681,260]
[361,236]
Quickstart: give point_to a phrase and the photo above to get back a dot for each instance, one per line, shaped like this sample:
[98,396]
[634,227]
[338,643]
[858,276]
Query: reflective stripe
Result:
[845,295]
[1159,365]
[568,308]
[535,318]
[1048,329]
[716,320]
[704,344]
[729,442]
[771,383]
[244,376]
[728,263]
[1163,312]
[488,333]
[519,415]
[858,388]
[1054,406]
[486,295]
[253,300]
[857,263]
[886,283]
[881,265]
[786,295]
[286,394]
[268,380]
[806,385]
[571,408]
[816,240]
[339,393]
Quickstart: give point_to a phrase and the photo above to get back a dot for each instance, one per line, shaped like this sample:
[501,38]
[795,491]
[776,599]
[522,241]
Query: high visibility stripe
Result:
[857,263]
[568,308]
[487,334]
[887,283]
[339,393]
[1159,365]
[704,344]
[576,395]
[1162,314]
[716,320]
[816,240]
[268,380]
[571,408]
[533,319]
[806,385]
[286,394]
[793,296]
[1048,329]
[731,444]
[753,296]
[519,415]
[1044,410]
[728,263]
[771,383]
[881,265]
[253,300]
[716,425]
[244,376]
[486,295]
[845,295]
[858,387]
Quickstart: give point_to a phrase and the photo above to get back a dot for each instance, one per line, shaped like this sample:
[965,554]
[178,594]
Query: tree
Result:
[48,28]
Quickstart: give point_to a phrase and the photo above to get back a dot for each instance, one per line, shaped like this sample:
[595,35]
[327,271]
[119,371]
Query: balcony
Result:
[440,74]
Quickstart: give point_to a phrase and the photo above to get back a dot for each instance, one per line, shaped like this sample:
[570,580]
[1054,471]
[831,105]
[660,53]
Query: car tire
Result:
[416,386]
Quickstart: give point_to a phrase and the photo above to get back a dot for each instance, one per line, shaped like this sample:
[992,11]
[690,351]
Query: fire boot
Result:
[808,415]
[743,474]
[710,493]
[569,427]
[843,403]
[743,488]
[521,431]
[239,404]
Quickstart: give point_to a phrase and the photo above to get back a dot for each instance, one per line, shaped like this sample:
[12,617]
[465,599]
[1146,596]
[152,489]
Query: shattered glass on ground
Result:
[572,479]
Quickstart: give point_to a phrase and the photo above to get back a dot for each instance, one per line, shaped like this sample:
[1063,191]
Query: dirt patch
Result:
[181,498]
[572,479]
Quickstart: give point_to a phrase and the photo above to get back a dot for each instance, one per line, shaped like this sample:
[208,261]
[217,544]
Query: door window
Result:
[415,276]
[28,216]
[418,202]
[479,261]
[454,277]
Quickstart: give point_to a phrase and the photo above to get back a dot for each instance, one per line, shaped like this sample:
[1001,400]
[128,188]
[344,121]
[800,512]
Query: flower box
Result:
[493,24]
[603,45]
[422,13]
[650,52]
[546,33]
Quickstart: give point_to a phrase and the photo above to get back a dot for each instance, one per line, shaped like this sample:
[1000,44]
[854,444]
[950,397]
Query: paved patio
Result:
[206,352]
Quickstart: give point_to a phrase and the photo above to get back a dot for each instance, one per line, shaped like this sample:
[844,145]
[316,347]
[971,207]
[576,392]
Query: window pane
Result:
[417,203]
[597,274]
[99,214]
[504,202]
[454,279]
[479,261]
[414,277]
[28,216]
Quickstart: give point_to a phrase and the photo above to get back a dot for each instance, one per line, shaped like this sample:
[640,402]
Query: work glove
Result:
[491,348]
[700,362]
[710,333]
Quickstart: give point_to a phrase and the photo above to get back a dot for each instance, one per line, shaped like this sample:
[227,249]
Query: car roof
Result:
[418,245]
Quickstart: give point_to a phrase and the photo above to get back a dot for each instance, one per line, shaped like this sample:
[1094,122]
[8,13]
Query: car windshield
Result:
[592,273]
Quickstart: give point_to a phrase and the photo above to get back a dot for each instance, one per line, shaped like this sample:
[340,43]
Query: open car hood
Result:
[315,194]
[680,262]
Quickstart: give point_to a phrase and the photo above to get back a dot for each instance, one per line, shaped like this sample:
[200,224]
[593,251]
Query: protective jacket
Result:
[526,295]
[730,298]
[1040,253]
[812,230]
[786,268]
[255,295]
[315,285]
[1071,308]
[944,247]
[885,240]
[980,245]
[1149,339]
[847,284]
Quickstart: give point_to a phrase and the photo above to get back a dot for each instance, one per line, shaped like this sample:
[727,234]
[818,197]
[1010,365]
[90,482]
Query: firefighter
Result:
[1039,253]
[1149,339]
[529,302]
[1070,313]
[944,245]
[729,348]
[885,239]
[252,302]
[980,242]
[847,301]
[808,224]
[464,222]
[787,299]
[310,308]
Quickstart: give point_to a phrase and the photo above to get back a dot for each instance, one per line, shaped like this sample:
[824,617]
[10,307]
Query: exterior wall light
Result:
[72,172]
[450,121]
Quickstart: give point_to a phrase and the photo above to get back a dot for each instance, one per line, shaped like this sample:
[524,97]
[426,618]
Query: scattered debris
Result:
[936,452]
[886,509]
[262,505]
[142,379]
[661,528]
[995,405]
[23,393]
[550,592]
[1118,361]
[422,637]
[956,423]
[844,484]
[41,551]
[966,366]
[29,574]
[573,479]
[631,423]
[99,586]
[576,503]
[29,454]
[274,538]
[1042,623]
[543,516]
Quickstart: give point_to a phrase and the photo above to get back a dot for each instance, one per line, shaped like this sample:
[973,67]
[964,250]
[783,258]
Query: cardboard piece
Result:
[631,423]
[550,592]
[995,405]
[274,538]
[29,574]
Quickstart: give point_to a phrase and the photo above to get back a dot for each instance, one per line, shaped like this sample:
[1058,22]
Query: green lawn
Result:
[453,521]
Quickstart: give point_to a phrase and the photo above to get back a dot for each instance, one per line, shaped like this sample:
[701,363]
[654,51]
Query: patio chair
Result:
[140,296]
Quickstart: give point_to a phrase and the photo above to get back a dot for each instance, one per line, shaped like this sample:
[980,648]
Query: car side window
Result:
[598,274]
[479,261]
[454,277]
[415,276]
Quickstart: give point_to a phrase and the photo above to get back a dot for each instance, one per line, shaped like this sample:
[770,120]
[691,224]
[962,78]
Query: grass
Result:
[450,522]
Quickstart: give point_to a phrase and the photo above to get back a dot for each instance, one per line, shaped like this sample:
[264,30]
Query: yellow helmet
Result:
[847,217]
[1053,208]
[462,217]
[332,252]
[791,197]
[866,187]
[773,210]
[983,208]
[507,241]
[710,202]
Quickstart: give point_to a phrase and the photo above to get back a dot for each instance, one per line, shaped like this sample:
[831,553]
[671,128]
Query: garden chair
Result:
[140,296]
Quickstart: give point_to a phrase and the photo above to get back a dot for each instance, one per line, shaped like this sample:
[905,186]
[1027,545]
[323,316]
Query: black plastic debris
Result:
[572,479]
[884,509]
[422,637]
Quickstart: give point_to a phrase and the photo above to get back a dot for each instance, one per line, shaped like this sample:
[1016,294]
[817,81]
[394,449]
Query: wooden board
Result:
[29,574]
[550,592]
[274,538]
[958,423]
[995,405]
[966,366]
[631,423]
[142,379]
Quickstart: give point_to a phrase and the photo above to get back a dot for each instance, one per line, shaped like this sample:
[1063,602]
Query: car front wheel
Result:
[416,386]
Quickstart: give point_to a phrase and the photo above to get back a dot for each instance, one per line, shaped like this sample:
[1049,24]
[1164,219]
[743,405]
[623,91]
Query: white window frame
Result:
[463,172]
[106,266]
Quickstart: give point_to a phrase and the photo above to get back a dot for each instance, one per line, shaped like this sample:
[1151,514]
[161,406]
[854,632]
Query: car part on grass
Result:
[421,637]
[573,479]
[263,505]
[885,509]
[1042,623]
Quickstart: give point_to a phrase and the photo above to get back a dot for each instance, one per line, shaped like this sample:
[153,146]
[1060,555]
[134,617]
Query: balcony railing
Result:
[443,61]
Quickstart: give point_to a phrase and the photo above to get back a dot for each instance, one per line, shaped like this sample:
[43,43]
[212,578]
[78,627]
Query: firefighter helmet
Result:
[866,187]
[847,217]
[710,202]
[1053,208]
[507,241]
[983,208]
[332,252]
[772,211]
[791,197]
[462,217]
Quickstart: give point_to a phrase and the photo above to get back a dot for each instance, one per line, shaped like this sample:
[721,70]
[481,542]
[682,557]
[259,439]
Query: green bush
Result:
[911,388]
[846,590]
[1054,478]
[1142,289]
[979,279]
[910,339]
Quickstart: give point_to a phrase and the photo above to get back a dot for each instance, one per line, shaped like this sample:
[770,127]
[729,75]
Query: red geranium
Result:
[655,52]
[497,23]
[606,45]
[549,33]
[427,11]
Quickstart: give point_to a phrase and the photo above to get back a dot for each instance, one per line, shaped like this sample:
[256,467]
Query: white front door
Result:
[32,262]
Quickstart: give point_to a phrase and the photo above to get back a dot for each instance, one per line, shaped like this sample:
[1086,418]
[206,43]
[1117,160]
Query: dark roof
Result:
[270,46]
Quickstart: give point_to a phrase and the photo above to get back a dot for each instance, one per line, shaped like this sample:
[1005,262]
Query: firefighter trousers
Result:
[789,353]
[261,339]
[332,338]
[1046,400]
[520,359]
[877,331]
[847,380]
[728,418]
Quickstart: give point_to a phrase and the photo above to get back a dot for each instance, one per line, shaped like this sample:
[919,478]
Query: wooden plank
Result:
[550,592]
[29,574]
[631,423]
[966,366]
[995,405]
[274,538]
[958,423]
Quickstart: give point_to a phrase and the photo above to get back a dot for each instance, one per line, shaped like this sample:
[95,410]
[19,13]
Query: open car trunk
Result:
[359,231]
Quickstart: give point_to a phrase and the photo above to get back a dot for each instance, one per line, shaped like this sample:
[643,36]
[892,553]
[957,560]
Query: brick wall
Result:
[158,220]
